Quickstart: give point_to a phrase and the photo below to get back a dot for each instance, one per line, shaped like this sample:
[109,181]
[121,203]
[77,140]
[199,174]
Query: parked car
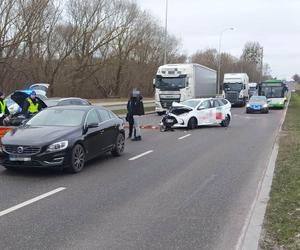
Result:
[197,112]
[257,104]
[63,137]
[50,102]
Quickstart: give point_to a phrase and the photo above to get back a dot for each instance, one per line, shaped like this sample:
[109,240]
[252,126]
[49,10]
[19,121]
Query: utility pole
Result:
[219,63]
[262,64]
[166,33]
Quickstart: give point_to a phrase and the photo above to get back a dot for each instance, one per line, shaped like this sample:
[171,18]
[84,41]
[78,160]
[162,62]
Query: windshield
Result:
[191,103]
[233,86]
[273,92]
[58,117]
[170,83]
[258,99]
[252,89]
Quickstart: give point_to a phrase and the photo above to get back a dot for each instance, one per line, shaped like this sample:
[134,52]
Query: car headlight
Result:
[265,105]
[248,105]
[58,146]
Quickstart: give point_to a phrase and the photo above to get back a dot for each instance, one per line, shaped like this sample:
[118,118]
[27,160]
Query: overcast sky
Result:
[275,24]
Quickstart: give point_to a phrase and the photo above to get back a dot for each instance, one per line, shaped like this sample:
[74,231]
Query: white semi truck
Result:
[180,82]
[236,88]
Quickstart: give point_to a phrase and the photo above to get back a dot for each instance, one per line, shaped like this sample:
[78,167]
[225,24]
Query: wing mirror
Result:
[93,125]
[154,83]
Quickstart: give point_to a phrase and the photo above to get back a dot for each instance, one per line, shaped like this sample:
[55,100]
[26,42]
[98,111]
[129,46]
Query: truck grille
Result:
[21,150]
[232,97]
[167,103]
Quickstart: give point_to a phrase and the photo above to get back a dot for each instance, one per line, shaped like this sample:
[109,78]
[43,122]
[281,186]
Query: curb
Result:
[251,232]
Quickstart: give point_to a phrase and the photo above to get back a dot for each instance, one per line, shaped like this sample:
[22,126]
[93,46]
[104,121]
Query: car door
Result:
[218,111]
[109,128]
[94,134]
[204,113]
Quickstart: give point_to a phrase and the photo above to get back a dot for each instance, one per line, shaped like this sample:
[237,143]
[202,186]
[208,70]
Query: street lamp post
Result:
[219,63]
[166,33]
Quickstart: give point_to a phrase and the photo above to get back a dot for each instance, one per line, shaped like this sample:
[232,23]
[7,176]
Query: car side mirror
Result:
[154,83]
[93,125]
[201,108]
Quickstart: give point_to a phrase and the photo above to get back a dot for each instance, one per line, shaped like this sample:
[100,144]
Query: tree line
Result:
[95,48]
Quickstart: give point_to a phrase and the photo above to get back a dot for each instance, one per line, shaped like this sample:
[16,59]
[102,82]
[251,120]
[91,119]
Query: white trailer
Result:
[236,88]
[180,82]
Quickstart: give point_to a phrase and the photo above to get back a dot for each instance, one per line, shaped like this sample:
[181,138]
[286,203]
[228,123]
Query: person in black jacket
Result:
[136,108]
[129,116]
[4,112]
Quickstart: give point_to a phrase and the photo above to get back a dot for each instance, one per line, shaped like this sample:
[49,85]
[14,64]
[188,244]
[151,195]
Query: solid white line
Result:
[141,155]
[26,203]
[181,138]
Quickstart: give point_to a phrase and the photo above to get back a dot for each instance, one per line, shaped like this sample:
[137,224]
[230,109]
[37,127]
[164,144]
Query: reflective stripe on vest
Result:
[2,107]
[33,108]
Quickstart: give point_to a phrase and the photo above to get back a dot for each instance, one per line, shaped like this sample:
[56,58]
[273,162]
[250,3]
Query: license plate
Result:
[19,158]
[169,120]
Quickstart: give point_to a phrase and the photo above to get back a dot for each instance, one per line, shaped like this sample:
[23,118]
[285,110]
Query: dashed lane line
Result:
[33,200]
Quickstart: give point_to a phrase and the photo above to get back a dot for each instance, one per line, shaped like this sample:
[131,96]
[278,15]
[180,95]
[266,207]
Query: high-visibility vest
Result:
[2,107]
[33,108]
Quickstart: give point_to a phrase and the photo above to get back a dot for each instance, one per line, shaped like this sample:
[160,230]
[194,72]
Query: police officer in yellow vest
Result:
[3,108]
[31,105]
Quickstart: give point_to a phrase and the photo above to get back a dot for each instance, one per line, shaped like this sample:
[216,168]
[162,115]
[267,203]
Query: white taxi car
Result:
[198,112]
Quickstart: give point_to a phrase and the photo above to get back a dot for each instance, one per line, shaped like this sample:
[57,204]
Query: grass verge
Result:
[282,220]
[124,111]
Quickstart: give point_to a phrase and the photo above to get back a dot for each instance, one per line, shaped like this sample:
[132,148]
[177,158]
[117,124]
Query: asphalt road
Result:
[189,193]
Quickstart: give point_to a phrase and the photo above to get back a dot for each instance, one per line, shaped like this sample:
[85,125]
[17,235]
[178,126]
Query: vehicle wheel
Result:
[77,159]
[226,122]
[120,145]
[192,124]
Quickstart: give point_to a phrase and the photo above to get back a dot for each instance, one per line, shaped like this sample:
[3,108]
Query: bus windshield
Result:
[273,92]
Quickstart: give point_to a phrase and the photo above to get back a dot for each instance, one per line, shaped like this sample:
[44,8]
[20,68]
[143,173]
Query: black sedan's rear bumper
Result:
[59,159]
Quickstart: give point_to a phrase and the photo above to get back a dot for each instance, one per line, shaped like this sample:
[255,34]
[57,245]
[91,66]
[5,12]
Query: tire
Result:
[225,123]
[77,159]
[120,145]
[192,124]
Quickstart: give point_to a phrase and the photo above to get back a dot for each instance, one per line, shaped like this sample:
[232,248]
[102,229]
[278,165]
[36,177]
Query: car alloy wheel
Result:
[78,159]
[226,122]
[120,145]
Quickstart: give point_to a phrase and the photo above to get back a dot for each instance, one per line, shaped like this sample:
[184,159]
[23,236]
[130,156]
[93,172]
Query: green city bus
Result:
[276,92]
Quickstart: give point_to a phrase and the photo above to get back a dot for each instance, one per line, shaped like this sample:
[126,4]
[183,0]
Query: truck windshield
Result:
[273,92]
[170,83]
[233,86]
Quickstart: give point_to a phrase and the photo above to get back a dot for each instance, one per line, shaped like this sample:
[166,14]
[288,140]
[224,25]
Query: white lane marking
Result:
[141,155]
[26,203]
[183,137]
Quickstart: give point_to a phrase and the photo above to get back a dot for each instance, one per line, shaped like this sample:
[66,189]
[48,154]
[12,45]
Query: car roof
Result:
[205,99]
[64,98]
[78,107]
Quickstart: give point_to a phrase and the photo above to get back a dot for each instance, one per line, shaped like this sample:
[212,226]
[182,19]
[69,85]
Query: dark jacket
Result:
[26,106]
[6,112]
[135,106]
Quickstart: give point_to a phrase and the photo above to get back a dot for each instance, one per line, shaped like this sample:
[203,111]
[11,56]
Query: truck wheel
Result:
[225,123]
[192,124]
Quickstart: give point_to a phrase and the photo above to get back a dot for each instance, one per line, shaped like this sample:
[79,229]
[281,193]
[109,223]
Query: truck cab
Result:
[253,89]
[180,82]
[236,88]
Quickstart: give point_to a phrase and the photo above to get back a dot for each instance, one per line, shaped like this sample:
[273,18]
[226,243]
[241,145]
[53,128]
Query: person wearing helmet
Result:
[31,105]
[4,112]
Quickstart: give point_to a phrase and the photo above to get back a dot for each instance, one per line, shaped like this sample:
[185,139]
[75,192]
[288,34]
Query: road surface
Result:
[172,190]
